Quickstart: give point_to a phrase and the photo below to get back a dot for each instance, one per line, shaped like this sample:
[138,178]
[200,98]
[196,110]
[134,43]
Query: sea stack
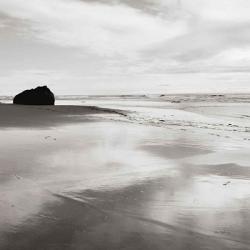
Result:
[39,96]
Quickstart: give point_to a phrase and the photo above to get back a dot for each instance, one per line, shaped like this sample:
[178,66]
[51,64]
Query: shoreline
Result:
[42,116]
[79,96]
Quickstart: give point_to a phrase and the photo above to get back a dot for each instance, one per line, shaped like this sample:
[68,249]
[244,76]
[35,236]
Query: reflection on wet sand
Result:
[114,185]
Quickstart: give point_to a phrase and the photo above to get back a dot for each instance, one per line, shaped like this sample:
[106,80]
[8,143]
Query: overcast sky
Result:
[125,46]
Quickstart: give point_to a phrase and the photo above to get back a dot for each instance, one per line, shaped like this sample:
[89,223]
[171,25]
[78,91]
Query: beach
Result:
[131,172]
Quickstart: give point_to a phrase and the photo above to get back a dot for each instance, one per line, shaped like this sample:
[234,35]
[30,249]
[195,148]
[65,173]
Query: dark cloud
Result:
[147,5]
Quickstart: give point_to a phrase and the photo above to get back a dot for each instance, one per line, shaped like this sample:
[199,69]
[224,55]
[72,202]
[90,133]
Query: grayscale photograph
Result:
[124,125]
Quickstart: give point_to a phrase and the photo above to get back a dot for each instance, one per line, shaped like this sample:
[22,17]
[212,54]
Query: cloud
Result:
[101,28]
[131,37]
[179,30]
[222,10]
[205,40]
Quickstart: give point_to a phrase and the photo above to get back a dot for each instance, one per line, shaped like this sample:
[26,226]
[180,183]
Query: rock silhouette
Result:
[38,96]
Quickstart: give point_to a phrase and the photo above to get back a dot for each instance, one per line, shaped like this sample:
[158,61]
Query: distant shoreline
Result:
[63,97]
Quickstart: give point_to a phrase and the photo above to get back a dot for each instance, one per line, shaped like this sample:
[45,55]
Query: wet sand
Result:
[71,178]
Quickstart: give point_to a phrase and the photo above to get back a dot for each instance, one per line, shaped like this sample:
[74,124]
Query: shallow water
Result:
[117,185]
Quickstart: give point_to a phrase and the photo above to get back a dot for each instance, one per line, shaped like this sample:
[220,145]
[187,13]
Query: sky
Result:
[125,46]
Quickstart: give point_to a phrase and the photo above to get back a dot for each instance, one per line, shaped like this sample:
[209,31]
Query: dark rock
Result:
[38,96]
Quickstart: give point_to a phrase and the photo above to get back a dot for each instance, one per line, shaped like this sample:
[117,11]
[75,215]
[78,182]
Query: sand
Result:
[75,177]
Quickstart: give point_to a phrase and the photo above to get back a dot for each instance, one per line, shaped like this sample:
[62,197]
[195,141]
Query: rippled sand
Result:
[86,178]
